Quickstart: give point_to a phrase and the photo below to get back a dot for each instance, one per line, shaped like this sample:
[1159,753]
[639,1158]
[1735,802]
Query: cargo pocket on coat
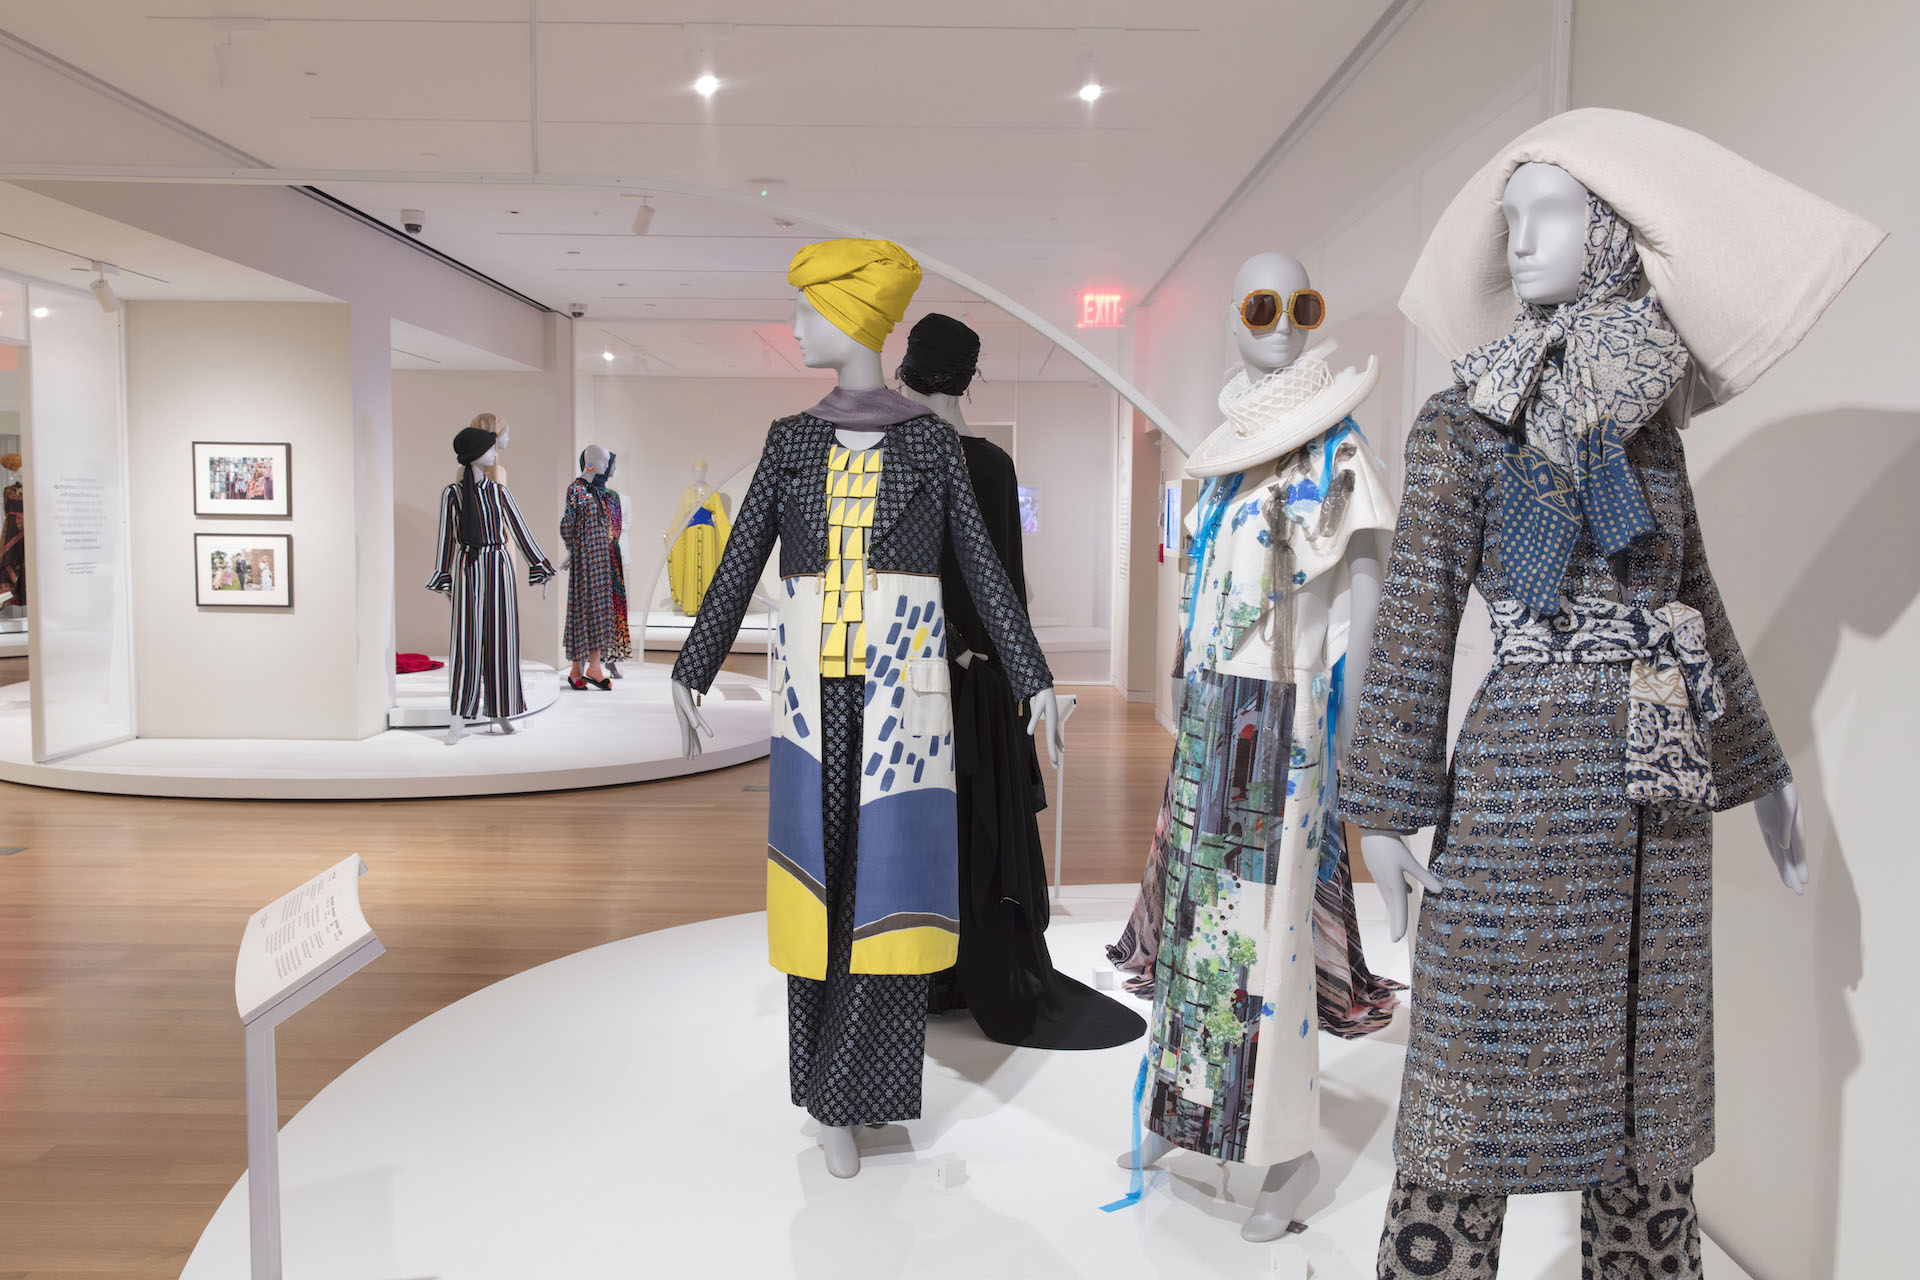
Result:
[929,697]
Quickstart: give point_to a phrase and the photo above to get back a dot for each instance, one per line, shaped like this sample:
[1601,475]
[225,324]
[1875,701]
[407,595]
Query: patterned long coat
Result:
[1562,1029]
[587,529]
[906,910]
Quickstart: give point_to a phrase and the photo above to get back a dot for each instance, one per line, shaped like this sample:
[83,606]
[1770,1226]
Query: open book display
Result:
[299,939]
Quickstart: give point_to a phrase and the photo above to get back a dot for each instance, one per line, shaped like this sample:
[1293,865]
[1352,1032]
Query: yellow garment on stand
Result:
[695,554]
[853,484]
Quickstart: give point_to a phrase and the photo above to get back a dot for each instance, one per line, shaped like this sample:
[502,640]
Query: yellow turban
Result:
[861,286]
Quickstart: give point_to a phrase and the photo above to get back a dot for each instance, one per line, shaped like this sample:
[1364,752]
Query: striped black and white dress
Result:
[484,652]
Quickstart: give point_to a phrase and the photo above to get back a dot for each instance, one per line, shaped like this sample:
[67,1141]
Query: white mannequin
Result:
[478,466]
[1546,210]
[1286,1185]
[824,346]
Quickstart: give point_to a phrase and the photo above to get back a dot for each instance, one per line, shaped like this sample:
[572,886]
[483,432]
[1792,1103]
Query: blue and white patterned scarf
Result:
[1581,377]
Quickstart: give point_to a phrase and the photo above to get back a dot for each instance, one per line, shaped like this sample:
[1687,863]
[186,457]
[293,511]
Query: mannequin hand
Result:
[690,720]
[1046,708]
[1392,865]
[1786,836]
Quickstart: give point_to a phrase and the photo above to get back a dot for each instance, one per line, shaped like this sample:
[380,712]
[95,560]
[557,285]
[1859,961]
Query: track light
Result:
[1090,89]
[102,291]
[642,218]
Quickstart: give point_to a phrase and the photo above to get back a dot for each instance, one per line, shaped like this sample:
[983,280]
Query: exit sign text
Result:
[1102,311]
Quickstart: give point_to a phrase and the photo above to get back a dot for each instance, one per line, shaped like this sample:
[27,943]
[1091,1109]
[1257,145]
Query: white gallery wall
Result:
[1063,448]
[243,372]
[428,410]
[288,235]
[1805,487]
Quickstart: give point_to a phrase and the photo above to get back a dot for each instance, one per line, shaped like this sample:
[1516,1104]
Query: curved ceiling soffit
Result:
[250,176]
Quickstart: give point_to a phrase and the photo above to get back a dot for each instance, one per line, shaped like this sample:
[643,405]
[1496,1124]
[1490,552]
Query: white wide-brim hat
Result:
[1742,260]
[1237,446]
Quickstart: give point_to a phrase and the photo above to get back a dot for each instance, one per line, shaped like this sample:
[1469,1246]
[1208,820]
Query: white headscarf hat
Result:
[1743,261]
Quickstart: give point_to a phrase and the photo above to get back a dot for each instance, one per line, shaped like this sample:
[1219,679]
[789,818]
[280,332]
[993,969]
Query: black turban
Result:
[468,447]
[942,356]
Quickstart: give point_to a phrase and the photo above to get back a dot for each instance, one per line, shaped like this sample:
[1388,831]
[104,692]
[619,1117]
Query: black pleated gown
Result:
[1005,975]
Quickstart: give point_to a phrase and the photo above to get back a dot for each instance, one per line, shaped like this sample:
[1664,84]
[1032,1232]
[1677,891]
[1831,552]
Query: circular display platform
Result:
[623,1111]
[583,739]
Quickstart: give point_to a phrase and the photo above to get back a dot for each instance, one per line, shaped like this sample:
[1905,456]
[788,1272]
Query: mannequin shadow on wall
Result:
[1801,499]
[414,531]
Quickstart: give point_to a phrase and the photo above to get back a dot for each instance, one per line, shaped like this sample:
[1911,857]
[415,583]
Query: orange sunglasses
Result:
[1262,310]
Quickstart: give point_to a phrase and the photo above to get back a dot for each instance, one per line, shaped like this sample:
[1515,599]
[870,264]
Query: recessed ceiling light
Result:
[606,355]
[1090,89]
[707,84]
[41,313]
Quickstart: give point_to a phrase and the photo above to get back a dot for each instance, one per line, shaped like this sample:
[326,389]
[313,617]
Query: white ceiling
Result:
[954,128]
[55,242]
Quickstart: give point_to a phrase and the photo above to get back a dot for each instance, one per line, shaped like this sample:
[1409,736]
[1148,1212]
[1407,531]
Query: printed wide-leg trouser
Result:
[856,1042]
[1627,1232]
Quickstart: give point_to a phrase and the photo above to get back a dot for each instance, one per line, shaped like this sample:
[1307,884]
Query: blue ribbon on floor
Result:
[1136,1182]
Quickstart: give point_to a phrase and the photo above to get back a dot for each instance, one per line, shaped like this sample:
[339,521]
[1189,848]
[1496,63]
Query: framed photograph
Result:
[243,570]
[241,480]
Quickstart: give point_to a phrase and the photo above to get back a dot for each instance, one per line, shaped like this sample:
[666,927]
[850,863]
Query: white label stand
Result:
[295,950]
[1066,702]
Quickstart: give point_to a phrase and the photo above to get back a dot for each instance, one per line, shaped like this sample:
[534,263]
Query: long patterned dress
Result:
[587,528]
[1248,831]
[1562,1032]
[622,647]
[485,640]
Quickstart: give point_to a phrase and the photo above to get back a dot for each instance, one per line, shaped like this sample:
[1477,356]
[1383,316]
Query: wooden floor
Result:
[122,1123]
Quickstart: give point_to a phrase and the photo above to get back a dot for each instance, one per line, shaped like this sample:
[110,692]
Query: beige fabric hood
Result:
[1743,261]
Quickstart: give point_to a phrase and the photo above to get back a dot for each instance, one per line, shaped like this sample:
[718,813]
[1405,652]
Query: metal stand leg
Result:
[263,1152]
[1067,705]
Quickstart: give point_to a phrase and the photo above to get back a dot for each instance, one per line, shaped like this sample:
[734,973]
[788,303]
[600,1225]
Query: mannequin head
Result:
[943,355]
[1546,212]
[822,344]
[1280,346]
[494,425]
[699,470]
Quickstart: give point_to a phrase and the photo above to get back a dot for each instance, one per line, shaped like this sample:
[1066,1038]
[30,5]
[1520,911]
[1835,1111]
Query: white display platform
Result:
[666,631]
[623,1111]
[421,699]
[15,644]
[586,739]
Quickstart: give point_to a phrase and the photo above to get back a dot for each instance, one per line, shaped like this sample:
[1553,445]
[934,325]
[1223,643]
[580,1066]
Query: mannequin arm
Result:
[1363,607]
[1393,866]
[1782,827]
[442,578]
[1046,709]
[690,720]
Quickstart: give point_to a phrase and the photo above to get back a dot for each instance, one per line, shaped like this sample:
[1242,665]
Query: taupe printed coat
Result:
[1562,1029]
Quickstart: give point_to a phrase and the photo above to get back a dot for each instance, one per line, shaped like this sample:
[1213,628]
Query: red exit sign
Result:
[1102,311]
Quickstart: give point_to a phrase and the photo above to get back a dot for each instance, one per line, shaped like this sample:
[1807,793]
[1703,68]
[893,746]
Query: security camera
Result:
[576,309]
[413,220]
